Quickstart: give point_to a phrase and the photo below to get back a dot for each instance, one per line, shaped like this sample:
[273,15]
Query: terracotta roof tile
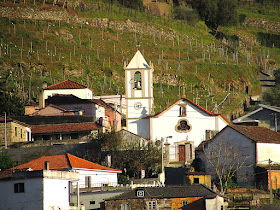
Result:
[66,84]
[77,162]
[64,161]
[64,128]
[258,134]
[55,162]
[255,133]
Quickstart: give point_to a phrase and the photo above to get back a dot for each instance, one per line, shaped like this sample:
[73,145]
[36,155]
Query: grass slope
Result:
[190,63]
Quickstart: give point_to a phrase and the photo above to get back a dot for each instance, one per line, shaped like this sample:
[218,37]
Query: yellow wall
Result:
[203,179]
[275,175]
[177,202]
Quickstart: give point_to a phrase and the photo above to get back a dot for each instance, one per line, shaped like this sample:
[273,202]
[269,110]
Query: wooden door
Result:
[182,153]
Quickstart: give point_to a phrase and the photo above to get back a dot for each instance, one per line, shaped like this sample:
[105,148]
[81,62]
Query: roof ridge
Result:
[67,80]
[68,159]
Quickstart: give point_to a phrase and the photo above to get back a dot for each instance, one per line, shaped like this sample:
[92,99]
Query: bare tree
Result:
[225,159]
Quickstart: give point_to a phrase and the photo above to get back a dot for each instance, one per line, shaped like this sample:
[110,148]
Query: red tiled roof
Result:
[66,84]
[5,174]
[255,133]
[258,134]
[64,128]
[64,161]
[77,162]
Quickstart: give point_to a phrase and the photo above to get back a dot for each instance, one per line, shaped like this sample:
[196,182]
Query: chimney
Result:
[44,85]
[208,134]
[47,165]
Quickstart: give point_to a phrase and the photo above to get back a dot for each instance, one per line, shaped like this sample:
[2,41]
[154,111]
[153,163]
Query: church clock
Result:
[137,105]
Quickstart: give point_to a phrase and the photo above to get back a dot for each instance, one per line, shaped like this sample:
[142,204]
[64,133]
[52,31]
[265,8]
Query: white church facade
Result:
[181,127]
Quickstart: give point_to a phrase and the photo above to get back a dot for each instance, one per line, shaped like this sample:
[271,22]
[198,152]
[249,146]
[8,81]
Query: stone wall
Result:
[260,23]
[59,14]
[15,133]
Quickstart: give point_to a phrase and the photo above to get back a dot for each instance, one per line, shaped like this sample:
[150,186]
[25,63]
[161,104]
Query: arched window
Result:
[137,81]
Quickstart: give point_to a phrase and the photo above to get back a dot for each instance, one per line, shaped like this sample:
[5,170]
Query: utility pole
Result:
[275,121]
[115,120]
[6,145]
[162,163]
[121,104]
[78,196]
[270,181]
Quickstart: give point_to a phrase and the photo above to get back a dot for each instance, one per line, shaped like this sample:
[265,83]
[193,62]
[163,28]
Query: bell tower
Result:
[139,94]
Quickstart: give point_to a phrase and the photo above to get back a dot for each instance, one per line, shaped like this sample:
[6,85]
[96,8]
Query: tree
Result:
[134,4]
[129,153]
[225,159]
[11,104]
[216,13]
[5,160]
[272,96]
[146,157]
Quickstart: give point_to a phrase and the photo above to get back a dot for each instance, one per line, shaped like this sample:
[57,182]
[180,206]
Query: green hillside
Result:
[89,43]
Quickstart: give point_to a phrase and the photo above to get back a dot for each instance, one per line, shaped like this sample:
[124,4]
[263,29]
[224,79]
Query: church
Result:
[181,127]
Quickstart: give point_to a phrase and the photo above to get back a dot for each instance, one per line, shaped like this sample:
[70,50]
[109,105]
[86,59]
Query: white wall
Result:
[140,127]
[31,198]
[267,151]
[199,121]
[215,203]
[97,177]
[134,113]
[128,82]
[243,146]
[56,194]
[81,93]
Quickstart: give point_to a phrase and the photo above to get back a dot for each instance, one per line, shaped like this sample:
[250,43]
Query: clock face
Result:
[137,105]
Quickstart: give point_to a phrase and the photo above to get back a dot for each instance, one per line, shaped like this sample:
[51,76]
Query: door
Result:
[182,153]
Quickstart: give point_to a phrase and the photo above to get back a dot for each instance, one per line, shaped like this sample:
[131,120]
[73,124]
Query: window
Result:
[20,133]
[15,131]
[88,181]
[125,206]
[58,137]
[137,81]
[74,136]
[92,202]
[196,180]
[183,110]
[190,151]
[183,126]
[28,136]
[46,137]
[152,205]
[184,203]
[19,187]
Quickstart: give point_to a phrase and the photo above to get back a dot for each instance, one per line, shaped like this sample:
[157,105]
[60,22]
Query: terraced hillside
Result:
[89,41]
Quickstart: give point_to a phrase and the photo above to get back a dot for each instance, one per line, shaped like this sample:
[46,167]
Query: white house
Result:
[90,174]
[251,145]
[66,87]
[43,189]
[186,122]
